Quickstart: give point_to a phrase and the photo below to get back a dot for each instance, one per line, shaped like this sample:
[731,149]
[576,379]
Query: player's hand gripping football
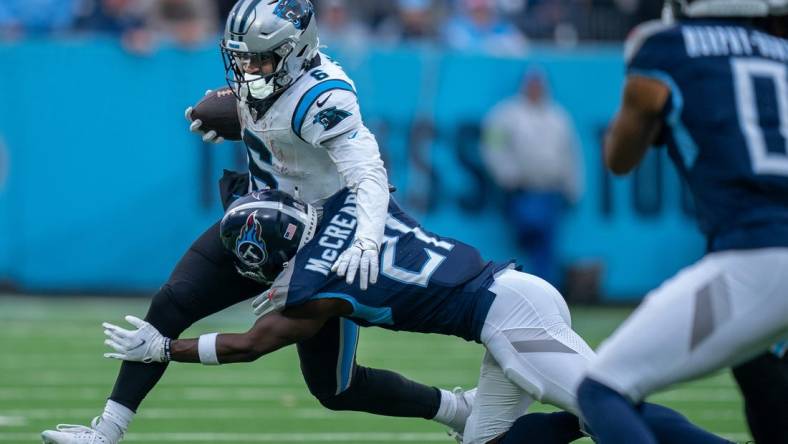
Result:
[196,126]
[145,344]
[361,258]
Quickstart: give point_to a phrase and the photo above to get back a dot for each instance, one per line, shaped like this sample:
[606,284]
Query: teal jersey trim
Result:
[301,110]
[373,315]
[686,144]
[348,333]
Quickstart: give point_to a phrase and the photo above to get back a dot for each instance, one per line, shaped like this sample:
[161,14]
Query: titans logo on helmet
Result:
[250,247]
[297,12]
[330,117]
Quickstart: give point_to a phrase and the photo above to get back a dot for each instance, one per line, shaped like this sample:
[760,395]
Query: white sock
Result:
[448,408]
[115,420]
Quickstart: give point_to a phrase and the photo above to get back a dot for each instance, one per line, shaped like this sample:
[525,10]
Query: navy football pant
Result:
[205,282]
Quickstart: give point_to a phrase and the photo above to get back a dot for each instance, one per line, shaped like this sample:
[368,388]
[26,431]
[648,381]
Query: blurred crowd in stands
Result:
[497,26]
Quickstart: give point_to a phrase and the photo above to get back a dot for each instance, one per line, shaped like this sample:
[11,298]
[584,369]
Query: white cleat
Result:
[464,404]
[75,434]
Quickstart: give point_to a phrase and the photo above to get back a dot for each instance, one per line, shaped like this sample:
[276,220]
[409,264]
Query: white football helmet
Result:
[778,7]
[267,45]
[719,8]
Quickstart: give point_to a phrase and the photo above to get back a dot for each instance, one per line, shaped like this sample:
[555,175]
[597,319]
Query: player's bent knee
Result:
[336,402]
[169,316]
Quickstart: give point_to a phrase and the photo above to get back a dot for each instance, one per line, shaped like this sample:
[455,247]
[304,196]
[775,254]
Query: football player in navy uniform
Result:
[428,284]
[714,87]
[302,126]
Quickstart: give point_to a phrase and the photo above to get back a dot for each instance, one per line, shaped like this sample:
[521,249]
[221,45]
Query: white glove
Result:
[145,344]
[361,257]
[195,127]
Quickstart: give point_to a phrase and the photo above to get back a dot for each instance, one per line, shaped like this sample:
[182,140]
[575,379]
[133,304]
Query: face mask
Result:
[259,88]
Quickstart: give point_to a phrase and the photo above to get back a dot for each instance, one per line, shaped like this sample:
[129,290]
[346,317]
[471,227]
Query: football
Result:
[217,111]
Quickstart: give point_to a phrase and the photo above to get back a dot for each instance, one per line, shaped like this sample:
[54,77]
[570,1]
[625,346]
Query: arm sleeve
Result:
[358,160]
[336,126]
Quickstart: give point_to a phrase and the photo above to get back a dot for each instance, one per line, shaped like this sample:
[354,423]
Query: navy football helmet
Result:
[264,230]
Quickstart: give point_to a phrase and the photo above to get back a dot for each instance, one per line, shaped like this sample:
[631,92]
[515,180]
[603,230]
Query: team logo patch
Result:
[330,117]
[250,247]
[297,12]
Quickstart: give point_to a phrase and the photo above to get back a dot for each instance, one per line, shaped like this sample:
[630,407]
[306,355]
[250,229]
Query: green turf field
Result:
[52,371]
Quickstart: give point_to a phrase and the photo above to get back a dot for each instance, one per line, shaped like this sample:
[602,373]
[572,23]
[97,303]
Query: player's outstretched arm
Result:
[637,125]
[269,333]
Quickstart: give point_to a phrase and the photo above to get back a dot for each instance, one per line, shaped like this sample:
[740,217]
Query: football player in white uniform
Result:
[301,121]
[304,134]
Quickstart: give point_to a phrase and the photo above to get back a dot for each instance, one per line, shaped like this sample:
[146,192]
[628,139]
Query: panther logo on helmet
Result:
[297,12]
[250,247]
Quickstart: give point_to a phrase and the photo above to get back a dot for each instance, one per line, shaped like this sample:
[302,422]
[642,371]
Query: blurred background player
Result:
[731,305]
[530,148]
[304,134]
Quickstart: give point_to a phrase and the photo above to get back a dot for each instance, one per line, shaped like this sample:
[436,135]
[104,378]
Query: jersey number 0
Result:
[746,72]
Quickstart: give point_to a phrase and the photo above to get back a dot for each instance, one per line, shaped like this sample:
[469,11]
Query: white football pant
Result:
[532,354]
[719,312]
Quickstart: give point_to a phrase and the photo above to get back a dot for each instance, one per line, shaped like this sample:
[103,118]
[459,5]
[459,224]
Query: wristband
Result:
[206,347]
[167,350]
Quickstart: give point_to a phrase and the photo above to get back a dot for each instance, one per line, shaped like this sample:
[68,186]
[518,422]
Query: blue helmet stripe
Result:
[234,15]
[309,98]
[247,13]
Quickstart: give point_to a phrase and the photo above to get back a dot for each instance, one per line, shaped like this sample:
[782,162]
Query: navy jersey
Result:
[726,124]
[427,283]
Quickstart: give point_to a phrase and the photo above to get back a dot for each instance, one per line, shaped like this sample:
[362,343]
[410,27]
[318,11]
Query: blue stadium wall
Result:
[102,187]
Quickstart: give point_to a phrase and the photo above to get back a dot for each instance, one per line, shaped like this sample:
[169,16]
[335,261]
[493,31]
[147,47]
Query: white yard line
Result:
[174,413]
[12,421]
[262,437]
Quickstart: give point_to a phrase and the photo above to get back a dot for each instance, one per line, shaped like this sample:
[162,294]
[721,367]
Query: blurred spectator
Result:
[338,26]
[18,17]
[141,23]
[187,22]
[477,25]
[111,16]
[551,19]
[530,148]
[414,20]
[124,18]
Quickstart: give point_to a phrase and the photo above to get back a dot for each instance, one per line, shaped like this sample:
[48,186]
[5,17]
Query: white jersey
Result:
[312,142]
[285,146]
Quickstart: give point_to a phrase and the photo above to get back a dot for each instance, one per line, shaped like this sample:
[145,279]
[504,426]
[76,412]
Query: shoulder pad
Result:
[640,34]
[324,105]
